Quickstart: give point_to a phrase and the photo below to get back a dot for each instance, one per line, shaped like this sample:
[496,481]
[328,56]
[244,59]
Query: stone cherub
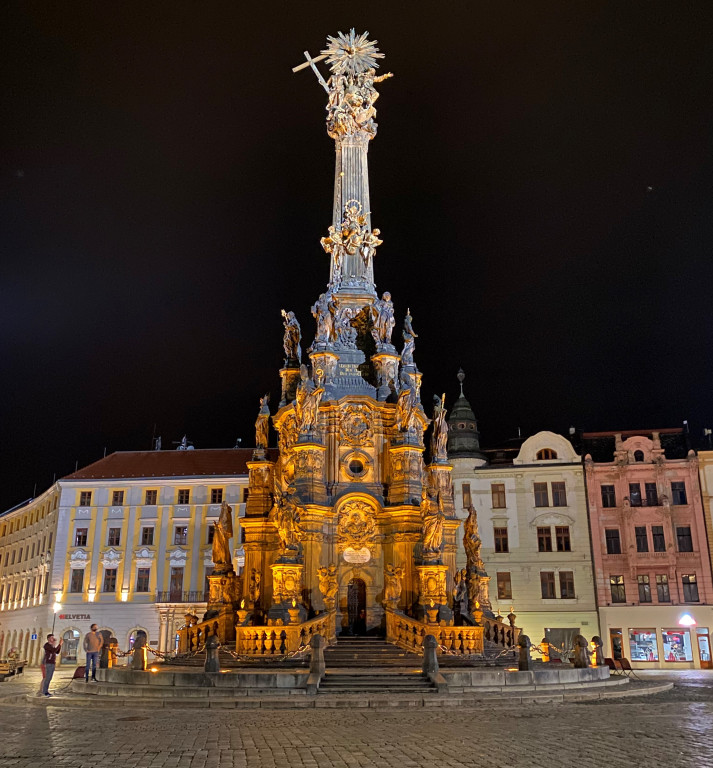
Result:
[262,425]
[328,585]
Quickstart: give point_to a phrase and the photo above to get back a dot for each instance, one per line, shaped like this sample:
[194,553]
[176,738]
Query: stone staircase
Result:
[370,665]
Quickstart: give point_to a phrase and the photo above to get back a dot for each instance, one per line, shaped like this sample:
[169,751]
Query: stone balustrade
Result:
[409,634]
[281,640]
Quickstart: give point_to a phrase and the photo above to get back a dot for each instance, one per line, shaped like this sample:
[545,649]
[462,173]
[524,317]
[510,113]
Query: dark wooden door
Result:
[356,606]
[176,587]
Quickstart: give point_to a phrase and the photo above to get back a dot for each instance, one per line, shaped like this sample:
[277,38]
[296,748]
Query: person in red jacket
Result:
[50,660]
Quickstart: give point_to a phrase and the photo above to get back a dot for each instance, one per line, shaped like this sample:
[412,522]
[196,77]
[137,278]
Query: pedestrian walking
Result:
[49,661]
[93,642]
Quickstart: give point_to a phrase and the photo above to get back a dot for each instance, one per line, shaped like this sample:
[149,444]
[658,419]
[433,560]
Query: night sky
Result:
[542,177]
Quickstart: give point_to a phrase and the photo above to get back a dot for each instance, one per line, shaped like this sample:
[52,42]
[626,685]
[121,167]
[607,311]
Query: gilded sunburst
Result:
[352,53]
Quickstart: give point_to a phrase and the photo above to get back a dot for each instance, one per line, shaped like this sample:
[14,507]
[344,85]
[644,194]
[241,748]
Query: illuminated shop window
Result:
[677,645]
[642,645]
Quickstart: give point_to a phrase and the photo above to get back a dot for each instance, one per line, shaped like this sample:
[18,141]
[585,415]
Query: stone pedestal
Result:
[440,474]
[324,360]
[290,379]
[405,460]
[286,592]
[432,584]
[260,488]
[386,367]
[309,482]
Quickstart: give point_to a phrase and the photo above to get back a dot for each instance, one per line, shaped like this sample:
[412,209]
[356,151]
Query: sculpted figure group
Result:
[351,238]
[350,107]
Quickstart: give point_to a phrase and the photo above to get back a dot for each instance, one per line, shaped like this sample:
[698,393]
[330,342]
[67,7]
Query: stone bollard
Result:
[316,661]
[212,659]
[430,657]
[598,653]
[140,658]
[581,657]
[524,661]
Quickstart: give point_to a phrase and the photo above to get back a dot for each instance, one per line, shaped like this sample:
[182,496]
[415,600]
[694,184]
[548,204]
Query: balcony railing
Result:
[179,596]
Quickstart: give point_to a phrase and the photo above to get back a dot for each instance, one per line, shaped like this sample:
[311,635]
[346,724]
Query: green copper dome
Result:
[463,435]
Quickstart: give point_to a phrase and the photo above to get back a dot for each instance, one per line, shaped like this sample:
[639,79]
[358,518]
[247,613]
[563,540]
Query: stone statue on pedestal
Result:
[460,592]
[431,521]
[254,588]
[222,533]
[291,339]
[285,516]
[393,576]
[323,311]
[471,540]
[383,319]
[328,585]
[439,436]
[409,336]
[262,425]
[307,399]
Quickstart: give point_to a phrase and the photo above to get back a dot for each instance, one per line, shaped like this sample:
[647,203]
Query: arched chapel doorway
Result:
[356,606]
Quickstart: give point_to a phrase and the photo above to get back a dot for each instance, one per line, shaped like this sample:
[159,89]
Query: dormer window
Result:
[546,454]
[638,455]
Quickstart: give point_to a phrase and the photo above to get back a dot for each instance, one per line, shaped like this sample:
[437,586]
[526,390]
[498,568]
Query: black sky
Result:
[542,177]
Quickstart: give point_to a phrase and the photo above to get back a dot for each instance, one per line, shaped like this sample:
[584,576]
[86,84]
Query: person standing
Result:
[49,661]
[93,643]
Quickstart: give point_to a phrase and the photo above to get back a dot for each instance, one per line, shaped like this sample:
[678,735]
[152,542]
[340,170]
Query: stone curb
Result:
[325,701]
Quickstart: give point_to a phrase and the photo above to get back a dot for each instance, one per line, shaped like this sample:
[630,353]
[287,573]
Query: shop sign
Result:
[75,616]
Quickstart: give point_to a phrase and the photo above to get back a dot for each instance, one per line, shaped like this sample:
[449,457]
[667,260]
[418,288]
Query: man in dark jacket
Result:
[50,660]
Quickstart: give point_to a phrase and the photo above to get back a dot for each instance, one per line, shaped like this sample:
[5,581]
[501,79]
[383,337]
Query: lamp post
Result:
[57,607]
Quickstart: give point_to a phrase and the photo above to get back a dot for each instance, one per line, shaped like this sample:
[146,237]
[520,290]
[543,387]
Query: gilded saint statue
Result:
[328,585]
[393,578]
[222,533]
[307,399]
[431,521]
[285,517]
[291,339]
[262,425]
[439,436]
[471,540]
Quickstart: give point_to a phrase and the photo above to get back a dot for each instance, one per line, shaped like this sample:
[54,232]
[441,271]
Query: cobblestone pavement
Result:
[669,729]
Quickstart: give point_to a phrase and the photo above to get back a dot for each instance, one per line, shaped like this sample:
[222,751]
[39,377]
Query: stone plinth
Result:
[309,471]
[432,584]
[260,488]
[405,486]
[286,592]
[290,379]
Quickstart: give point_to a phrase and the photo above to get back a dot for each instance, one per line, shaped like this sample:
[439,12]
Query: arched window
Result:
[546,454]
[638,455]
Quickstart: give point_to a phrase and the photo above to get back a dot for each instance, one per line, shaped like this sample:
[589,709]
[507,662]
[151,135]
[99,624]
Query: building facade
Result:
[124,543]
[650,547]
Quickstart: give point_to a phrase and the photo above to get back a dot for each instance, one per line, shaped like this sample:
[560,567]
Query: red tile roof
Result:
[197,463]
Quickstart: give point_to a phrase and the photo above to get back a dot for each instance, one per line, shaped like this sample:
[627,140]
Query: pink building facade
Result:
[650,549]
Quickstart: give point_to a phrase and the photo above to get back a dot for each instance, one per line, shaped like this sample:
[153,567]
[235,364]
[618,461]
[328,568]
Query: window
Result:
[544,539]
[547,585]
[662,591]
[76,583]
[85,499]
[644,589]
[147,536]
[216,495]
[541,496]
[685,542]
[497,491]
[142,579]
[184,495]
[642,540]
[638,455]
[567,585]
[117,499]
[678,492]
[642,645]
[211,533]
[618,591]
[659,539]
[563,541]
[466,495]
[150,497]
[109,580]
[635,494]
[180,534]
[676,645]
[504,586]
[546,454]
[80,537]
[613,541]
[652,495]
[114,538]
[559,495]
[690,588]
[501,539]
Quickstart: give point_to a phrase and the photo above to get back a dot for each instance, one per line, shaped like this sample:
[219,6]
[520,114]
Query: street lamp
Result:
[57,607]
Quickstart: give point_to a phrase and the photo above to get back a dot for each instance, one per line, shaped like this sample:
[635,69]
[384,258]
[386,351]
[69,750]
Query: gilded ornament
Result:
[356,527]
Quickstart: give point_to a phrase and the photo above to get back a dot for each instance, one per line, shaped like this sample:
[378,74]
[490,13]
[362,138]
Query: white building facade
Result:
[124,543]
